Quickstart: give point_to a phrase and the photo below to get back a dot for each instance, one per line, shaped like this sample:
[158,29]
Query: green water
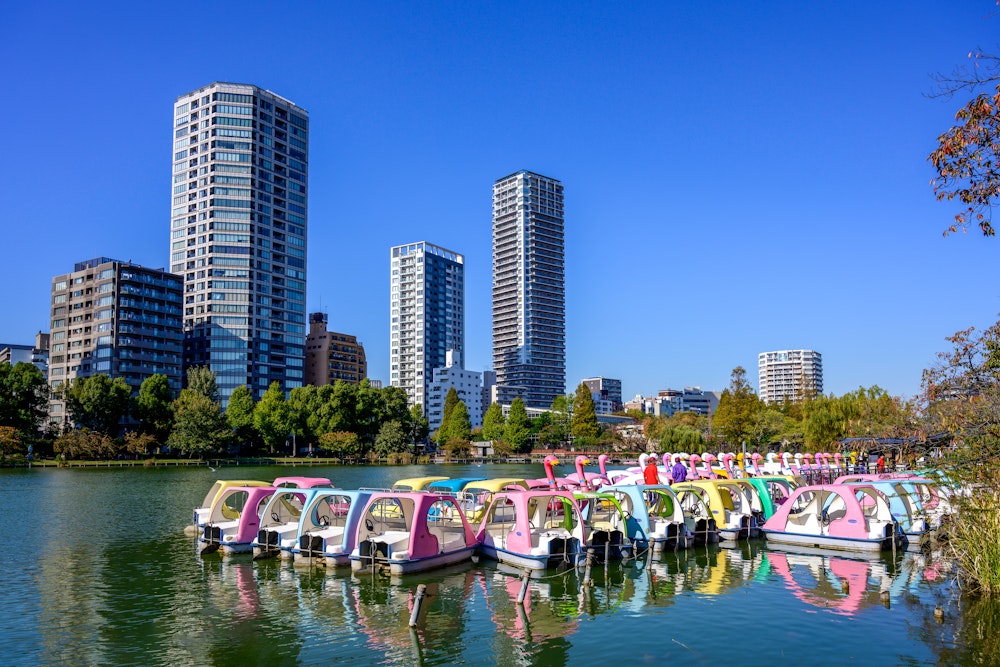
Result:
[98,571]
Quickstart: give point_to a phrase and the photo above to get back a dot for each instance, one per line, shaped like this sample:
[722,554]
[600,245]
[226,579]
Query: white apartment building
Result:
[468,385]
[789,375]
[427,315]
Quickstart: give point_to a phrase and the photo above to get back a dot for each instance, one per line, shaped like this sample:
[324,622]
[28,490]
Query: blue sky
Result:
[739,177]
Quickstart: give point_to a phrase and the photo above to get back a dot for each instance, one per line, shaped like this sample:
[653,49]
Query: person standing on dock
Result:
[650,474]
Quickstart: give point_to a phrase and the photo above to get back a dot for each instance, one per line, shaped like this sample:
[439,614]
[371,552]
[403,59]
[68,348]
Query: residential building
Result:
[529,289]
[332,356]
[607,394]
[238,234]
[427,315]
[37,354]
[789,375]
[467,384]
[669,401]
[116,318]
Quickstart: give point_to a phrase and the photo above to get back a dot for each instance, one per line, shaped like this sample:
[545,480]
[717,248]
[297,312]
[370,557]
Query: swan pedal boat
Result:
[654,518]
[532,529]
[836,516]
[411,531]
[734,505]
[605,520]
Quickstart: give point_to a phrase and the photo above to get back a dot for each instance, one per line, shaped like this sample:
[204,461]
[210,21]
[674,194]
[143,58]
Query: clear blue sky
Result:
[739,177]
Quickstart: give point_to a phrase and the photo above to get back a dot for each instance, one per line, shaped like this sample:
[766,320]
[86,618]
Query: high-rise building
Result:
[238,234]
[789,375]
[115,318]
[332,356]
[529,289]
[427,315]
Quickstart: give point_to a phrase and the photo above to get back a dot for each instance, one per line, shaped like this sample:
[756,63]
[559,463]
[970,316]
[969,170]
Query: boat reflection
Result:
[384,608]
[835,583]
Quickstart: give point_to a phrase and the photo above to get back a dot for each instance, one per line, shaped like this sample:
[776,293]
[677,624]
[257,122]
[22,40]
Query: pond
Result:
[98,571]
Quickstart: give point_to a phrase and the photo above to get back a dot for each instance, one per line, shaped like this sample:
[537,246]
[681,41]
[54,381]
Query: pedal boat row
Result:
[427,523]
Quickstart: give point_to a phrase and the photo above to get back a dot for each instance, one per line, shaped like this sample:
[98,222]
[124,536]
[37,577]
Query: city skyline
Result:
[737,180]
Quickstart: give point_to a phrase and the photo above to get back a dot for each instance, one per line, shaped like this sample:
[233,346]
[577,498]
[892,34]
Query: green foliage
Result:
[518,428]
[98,403]
[450,401]
[199,425]
[767,424]
[239,414]
[419,426]
[24,397]
[272,417]
[459,425]
[493,422]
[391,439]
[201,380]
[457,447]
[863,413]
[584,422]
[738,407]
[342,444]
[154,407]
[668,438]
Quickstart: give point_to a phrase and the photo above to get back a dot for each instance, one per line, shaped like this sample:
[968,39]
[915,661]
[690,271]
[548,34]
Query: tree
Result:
[966,157]
[766,425]
[239,415]
[10,441]
[961,395]
[342,444]
[450,401]
[584,421]
[97,402]
[443,433]
[201,380]
[154,407]
[24,397]
[84,444]
[391,439]
[419,426]
[199,425]
[493,422]
[517,429]
[138,443]
[272,418]
[737,409]
[459,426]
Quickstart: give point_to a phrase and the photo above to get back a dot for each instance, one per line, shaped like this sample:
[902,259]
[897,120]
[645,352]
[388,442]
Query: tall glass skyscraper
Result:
[529,289]
[238,233]
[427,315]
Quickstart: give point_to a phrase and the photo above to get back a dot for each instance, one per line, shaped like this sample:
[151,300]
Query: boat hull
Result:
[360,563]
[827,542]
[530,561]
